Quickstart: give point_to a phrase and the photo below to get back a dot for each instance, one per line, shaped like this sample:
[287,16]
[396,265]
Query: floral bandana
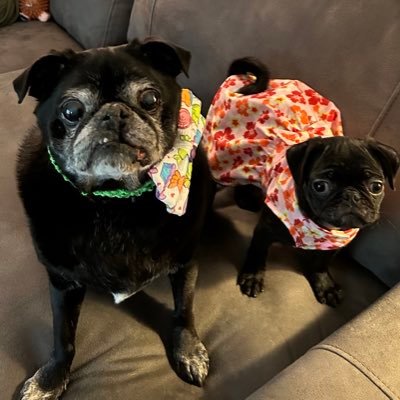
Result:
[173,173]
[246,139]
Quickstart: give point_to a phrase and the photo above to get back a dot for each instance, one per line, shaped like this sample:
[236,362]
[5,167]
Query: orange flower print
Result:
[186,98]
[264,117]
[226,177]
[297,97]
[179,181]
[288,197]
[301,113]
[227,104]
[251,132]
[314,98]
[278,168]
[227,134]
[229,82]
[217,96]
[242,107]
[237,161]
[248,151]
[333,114]
[221,138]
[274,196]
[304,117]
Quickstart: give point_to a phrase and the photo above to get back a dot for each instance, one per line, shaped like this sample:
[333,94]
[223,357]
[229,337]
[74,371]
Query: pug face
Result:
[340,180]
[107,115]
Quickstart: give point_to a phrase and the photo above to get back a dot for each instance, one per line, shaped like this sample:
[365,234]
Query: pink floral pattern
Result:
[246,138]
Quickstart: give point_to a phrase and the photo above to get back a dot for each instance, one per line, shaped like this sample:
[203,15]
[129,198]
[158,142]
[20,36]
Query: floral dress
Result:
[246,138]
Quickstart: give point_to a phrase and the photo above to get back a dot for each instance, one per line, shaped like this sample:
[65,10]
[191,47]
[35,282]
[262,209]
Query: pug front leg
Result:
[49,382]
[325,289]
[251,276]
[268,230]
[189,353]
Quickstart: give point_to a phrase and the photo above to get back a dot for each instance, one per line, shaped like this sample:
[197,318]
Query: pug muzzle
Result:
[116,147]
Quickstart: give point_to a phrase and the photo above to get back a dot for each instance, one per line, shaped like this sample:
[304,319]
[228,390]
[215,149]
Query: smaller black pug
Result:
[339,185]
[105,116]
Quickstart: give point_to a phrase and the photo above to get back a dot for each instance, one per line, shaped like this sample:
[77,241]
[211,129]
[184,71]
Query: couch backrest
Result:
[347,50]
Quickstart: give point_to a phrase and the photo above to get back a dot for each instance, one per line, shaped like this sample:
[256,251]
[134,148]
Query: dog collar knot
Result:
[170,177]
[246,139]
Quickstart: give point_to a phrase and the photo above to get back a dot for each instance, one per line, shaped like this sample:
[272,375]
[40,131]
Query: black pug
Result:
[281,144]
[105,117]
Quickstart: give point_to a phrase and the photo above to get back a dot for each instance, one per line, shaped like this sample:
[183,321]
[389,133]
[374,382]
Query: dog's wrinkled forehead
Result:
[352,158]
[108,75]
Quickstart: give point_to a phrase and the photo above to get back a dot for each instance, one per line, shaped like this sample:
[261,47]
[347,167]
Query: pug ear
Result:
[163,55]
[301,157]
[41,78]
[387,157]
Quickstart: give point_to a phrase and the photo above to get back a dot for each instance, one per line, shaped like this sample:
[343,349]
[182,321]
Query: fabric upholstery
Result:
[359,361]
[121,349]
[24,42]
[93,23]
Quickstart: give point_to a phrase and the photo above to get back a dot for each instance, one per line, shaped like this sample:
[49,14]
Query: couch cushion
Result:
[93,23]
[121,350]
[359,361]
[24,42]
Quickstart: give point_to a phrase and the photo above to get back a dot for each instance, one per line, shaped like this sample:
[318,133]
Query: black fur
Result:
[112,245]
[255,67]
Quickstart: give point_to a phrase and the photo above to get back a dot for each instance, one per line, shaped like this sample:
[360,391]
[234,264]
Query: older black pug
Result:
[318,186]
[105,117]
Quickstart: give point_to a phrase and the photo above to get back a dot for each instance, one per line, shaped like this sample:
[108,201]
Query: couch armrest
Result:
[93,23]
[359,361]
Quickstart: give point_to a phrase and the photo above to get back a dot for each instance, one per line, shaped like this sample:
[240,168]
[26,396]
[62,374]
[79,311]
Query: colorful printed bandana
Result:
[173,173]
[246,139]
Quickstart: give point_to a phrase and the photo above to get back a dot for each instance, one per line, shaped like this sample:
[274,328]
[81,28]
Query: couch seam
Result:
[385,110]
[152,17]
[108,23]
[385,388]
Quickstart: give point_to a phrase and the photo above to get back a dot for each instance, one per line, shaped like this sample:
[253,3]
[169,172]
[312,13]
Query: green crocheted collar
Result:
[117,193]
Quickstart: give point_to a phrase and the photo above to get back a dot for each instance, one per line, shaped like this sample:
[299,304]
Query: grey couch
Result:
[278,345]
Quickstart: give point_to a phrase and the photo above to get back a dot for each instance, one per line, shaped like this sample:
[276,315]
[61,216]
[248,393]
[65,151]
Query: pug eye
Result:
[375,187]
[321,186]
[149,100]
[72,111]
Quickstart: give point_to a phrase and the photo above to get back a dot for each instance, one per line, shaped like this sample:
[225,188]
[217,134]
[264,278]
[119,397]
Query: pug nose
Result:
[114,117]
[352,196]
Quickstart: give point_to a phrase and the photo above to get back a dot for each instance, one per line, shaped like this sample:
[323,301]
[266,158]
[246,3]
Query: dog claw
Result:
[191,358]
[251,284]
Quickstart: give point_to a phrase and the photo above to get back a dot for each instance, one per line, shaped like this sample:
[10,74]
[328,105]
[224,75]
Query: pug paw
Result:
[190,357]
[251,284]
[326,290]
[33,391]
[48,383]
